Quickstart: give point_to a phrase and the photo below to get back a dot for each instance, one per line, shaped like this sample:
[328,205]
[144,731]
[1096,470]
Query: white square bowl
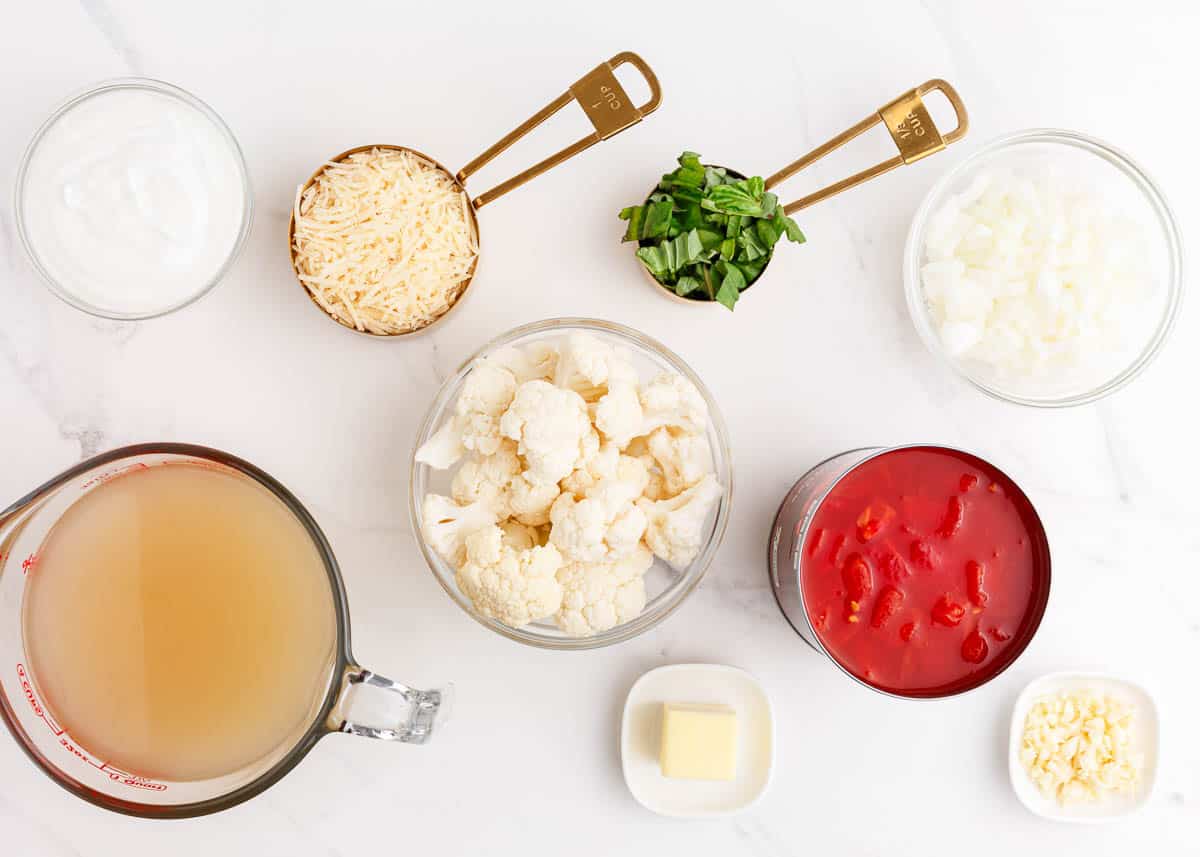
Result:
[641,727]
[1144,738]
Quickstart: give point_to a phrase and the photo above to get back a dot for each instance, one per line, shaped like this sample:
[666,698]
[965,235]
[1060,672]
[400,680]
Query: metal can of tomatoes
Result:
[921,571]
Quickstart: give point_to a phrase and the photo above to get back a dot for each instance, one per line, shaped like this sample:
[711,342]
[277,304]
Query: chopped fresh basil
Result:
[705,234]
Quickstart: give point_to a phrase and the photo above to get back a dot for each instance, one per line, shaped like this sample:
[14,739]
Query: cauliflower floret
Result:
[619,415]
[601,465]
[445,525]
[552,430]
[606,524]
[591,367]
[599,596]
[675,527]
[497,481]
[488,479]
[530,502]
[656,483]
[672,400]
[444,447]
[515,586]
[685,459]
[519,536]
[533,362]
[625,413]
[486,393]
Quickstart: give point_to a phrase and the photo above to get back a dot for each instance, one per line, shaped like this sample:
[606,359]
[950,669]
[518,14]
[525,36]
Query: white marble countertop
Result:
[530,762]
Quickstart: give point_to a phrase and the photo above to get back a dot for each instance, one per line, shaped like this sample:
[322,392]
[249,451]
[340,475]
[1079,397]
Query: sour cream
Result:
[133,199]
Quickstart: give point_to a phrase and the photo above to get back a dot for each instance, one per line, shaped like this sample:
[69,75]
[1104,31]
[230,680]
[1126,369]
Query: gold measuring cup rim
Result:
[474,224]
[604,101]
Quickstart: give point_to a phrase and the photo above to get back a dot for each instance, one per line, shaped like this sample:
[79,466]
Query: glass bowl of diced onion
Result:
[1045,269]
[666,586]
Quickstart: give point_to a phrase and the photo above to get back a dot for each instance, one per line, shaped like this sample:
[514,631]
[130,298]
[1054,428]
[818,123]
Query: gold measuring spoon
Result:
[602,98]
[912,129]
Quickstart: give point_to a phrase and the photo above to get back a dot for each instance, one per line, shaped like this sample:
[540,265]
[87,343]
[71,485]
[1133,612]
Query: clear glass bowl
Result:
[1117,180]
[30,244]
[666,588]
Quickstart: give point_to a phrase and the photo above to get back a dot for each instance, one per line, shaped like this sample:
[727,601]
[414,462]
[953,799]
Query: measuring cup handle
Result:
[410,713]
[956,102]
[913,131]
[604,101]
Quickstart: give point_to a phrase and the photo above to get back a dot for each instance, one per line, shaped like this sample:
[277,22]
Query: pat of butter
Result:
[699,742]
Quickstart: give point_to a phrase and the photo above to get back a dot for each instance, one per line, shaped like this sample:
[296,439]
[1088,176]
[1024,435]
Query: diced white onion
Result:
[1035,280]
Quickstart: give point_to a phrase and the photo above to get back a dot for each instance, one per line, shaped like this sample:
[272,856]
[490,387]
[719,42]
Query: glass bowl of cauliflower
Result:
[571,484]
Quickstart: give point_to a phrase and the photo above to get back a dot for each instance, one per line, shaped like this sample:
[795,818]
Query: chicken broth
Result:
[180,623]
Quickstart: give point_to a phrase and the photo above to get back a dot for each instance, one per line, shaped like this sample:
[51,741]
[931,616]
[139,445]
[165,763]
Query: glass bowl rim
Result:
[694,573]
[65,107]
[1115,158]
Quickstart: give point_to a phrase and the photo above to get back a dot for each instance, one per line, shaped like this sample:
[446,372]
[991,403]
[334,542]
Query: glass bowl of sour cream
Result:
[1045,269]
[133,199]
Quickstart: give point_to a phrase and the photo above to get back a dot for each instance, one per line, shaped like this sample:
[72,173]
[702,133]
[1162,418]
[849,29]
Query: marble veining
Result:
[820,359]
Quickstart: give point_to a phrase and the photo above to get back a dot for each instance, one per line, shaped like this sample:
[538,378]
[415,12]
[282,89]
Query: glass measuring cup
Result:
[602,98]
[23,530]
[912,129]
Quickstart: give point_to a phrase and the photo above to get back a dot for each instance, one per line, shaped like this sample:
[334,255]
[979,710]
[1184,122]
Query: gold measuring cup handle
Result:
[912,130]
[604,101]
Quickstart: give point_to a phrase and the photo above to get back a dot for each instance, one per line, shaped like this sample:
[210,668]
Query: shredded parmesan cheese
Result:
[384,241]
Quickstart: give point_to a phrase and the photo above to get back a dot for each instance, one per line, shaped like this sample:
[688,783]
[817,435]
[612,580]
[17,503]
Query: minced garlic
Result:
[1077,746]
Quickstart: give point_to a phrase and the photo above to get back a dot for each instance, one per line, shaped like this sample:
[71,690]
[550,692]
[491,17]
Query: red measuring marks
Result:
[105,476]
[67,743]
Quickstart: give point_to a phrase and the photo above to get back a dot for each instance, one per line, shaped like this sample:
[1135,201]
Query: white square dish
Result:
[641,724]
[1144,737]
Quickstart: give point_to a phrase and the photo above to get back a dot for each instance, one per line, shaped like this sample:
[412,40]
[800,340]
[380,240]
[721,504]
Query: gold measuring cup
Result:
[602,98]
[912,129]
